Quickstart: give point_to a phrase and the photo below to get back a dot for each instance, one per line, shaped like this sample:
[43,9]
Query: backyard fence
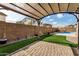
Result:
[15,31]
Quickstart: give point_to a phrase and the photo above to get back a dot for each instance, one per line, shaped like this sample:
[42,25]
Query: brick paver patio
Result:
[45,49]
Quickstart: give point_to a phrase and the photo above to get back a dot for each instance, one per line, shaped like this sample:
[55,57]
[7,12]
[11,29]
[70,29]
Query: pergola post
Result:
[38,21]
[78,29]
[38,24]
[77,11]
[38,29]
[78,32]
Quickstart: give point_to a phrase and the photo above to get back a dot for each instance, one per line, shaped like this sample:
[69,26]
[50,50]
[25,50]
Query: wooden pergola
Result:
[40,10]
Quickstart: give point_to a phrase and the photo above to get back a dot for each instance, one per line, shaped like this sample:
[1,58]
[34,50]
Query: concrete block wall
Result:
[18,31]
[2,29]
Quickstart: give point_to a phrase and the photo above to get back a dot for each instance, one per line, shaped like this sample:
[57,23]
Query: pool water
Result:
[65,33]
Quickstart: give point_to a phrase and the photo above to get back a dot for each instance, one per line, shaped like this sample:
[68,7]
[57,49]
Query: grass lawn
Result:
[59,40]
[7,49]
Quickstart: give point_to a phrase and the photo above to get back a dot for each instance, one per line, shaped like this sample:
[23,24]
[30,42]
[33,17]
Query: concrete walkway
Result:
[72,39]
[45,49]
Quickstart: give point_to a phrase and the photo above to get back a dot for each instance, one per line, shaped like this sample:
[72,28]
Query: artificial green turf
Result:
[59,40]
[15,46]
[44,36]
[7,49]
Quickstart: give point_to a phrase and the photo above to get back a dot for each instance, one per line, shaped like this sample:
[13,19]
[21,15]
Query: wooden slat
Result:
[41,9]
[73,7]
[63,7]
[16,9]
[35,9]
[55,7]
[36,6]
[28,8]
[50,7]
[47,8]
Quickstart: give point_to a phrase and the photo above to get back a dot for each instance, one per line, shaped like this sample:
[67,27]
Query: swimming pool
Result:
[65,33]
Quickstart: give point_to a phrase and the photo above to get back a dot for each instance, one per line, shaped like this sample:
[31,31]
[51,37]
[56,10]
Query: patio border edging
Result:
[15,41]
[22,48]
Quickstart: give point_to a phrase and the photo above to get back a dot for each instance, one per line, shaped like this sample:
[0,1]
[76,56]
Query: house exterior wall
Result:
[71,28]
[2,17]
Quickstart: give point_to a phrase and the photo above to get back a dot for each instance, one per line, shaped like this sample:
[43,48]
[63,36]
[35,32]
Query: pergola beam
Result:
[68,6]
[8,8]
[43,8]
[50,7]
[24,9]
[59,7]
[40,10]
[35,9]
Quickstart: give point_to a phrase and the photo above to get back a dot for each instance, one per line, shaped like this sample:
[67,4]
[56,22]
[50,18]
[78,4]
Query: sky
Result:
[57,20]
[12,17]
[60,20]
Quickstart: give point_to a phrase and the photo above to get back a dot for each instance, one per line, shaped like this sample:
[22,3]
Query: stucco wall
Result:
[2,17]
